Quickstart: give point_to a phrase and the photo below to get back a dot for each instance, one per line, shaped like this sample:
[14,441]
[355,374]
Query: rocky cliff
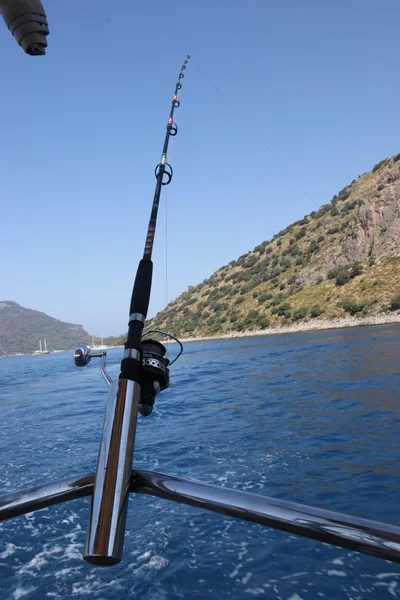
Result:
[342,259]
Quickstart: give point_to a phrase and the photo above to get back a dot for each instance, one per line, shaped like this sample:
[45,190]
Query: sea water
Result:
[309,417]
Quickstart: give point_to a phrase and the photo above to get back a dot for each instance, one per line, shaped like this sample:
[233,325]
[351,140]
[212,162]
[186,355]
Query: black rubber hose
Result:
[27,22]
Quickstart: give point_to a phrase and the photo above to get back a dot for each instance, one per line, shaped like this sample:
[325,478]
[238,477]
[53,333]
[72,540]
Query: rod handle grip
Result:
[142,287]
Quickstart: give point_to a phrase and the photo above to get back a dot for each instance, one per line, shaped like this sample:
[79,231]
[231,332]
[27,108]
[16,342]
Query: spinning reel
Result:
[155,373]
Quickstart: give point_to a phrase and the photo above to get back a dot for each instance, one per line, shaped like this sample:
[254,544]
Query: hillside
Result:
[343,259]
[22,328]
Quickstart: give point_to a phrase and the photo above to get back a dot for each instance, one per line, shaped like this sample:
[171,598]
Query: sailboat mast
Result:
[40,345]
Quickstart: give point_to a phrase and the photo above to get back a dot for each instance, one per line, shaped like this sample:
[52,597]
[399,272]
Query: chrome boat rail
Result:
[362,535]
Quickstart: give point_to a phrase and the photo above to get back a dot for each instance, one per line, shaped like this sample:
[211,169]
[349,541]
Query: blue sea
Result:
[310,417]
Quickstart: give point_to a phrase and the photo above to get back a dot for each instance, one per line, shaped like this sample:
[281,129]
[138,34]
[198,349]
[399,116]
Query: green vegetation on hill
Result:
[341,259]
[22,328]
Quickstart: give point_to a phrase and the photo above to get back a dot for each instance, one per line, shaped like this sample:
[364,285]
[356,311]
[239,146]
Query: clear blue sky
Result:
[82,130]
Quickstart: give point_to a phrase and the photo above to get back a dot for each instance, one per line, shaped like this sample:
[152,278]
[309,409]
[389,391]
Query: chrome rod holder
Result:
[106,530]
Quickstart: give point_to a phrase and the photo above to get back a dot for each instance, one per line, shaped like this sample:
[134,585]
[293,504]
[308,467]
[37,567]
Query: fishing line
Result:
[171,145]
[253,131]
[166,247]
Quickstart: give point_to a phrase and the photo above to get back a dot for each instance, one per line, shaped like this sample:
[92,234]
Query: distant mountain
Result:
[341,259]
[22,328]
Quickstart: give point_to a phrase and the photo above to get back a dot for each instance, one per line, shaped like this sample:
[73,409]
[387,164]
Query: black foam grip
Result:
[130,369]
[142,287]
[135,331]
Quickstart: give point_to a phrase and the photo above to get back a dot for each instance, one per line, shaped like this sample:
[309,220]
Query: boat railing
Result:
[362,535]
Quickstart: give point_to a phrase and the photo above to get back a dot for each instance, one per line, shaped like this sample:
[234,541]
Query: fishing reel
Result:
[155,370]
[155,374]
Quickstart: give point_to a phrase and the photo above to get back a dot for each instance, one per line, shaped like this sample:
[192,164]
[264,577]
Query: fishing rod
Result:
[144,373]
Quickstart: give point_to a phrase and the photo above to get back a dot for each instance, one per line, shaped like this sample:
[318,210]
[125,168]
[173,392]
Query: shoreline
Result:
[315,325]
[53,352]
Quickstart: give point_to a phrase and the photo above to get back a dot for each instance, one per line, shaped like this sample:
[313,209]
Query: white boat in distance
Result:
[101,346]
[40,351]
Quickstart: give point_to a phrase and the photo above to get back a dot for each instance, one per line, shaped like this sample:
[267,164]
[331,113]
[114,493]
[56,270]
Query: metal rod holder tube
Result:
[105,537]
